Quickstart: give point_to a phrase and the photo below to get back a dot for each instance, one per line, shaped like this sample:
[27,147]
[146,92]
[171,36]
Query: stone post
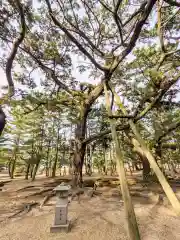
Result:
[61,211]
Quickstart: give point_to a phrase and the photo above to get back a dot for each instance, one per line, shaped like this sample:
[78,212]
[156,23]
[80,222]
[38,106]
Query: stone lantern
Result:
[61,211]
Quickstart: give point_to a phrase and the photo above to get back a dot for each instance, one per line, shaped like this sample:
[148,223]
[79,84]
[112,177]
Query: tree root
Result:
[24,188]
[40,192]
[25,209]
[47,198]
[2,183]
[92,193]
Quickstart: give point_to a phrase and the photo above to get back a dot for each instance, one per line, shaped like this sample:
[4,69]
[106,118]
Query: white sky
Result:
[3,80]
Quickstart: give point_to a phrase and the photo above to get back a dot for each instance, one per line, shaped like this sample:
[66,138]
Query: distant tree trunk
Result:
[13,162]
[89,160]
[27,171]
[105,161]
[13,166]
[31,170]
[9,168]
[56,157]
[47,158]
[35,170]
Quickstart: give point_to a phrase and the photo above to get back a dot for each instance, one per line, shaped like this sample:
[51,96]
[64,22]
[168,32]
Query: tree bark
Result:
[31,170]
[80,133]
[56,157]
[80,147]
[9,168]
[35,171]
[47,158]
[27,171]
[146,167]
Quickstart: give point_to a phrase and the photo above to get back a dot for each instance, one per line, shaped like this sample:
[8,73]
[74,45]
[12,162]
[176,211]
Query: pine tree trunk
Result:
[146,166]
[9,168]
[35,171]
[80,149]
[38,155]
[78,165]
[31,170]
[47,159]
[13,166]
[54,167]
[27,171]
[56,157]
[146,169]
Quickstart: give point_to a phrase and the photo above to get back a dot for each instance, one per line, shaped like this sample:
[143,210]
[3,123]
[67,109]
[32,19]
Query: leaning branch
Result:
[159,96]
[141,9]
[140,116]
[118,20]
[15,47]
[102,134]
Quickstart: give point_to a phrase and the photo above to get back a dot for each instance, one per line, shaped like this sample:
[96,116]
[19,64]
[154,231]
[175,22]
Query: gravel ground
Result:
[98,218]
[95,219]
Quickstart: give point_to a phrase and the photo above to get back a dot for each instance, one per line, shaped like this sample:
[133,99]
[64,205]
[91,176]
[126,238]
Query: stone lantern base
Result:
[60,228]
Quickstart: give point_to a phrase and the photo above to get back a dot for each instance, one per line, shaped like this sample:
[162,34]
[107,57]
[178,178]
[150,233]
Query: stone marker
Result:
[61,211]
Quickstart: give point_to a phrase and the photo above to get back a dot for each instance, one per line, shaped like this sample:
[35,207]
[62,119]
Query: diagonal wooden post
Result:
[129,209]
[164,183]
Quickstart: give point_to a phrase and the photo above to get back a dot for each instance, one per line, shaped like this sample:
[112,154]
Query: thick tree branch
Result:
[44,67]
[118,20]
[105,6]
[140,116]
[169,129]
[172,146]
[72,38]
[35,108]
[15,47]
[159,26]
[94,94]
[121,116]
[164,56]
[159,96]
[141,9]
[102,134]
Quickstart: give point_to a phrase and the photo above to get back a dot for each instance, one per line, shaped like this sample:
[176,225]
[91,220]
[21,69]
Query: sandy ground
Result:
[96,218]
